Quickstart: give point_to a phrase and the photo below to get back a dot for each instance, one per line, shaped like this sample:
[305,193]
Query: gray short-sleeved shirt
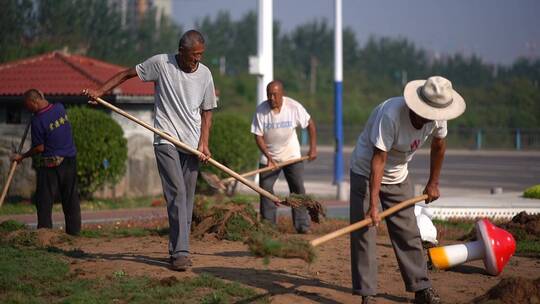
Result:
[179,97]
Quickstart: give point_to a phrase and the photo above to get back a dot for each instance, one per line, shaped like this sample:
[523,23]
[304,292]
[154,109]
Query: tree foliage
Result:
[92,27]
[374,70]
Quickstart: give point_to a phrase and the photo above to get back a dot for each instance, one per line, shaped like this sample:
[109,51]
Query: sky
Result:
[499,31]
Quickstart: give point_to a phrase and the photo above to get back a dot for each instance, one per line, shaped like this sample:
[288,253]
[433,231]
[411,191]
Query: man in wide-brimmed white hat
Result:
[395,130]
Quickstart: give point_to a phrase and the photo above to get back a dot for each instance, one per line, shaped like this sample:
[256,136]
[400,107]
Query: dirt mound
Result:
[35,238]
[513,290]
[524,226]
[48,237]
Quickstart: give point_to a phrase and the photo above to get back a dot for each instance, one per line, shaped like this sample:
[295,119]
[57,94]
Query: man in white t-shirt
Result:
[395,130]
[184,99]
[274,125]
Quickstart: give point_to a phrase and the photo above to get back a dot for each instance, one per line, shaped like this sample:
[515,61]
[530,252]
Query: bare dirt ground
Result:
[327,280]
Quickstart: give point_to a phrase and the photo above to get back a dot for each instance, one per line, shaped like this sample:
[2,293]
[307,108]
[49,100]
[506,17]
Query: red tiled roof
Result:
[59,73]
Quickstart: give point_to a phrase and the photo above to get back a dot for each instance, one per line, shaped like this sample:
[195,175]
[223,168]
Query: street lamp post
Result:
[338,95]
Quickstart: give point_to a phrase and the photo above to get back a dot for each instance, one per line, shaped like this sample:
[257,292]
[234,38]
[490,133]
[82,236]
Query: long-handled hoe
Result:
[223,184]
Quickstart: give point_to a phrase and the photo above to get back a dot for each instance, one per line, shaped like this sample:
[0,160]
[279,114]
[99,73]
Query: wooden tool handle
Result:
[13,166]
[8,181]
[183,146]
[367,221]
[265,169]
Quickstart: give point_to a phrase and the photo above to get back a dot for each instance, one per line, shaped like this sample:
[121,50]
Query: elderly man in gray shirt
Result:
[184,99]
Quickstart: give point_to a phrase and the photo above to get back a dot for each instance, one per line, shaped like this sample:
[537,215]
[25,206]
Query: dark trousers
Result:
[178,172]
[404,235]
[294,176]
[59,180]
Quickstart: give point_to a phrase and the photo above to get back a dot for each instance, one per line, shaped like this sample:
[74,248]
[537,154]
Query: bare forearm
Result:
[312,130]
[33,151]
[206,125]
[262,146]
[116,80]
[377,170]
[438,148]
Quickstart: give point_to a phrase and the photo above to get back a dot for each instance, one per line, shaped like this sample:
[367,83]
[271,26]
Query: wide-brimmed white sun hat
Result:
[434,98]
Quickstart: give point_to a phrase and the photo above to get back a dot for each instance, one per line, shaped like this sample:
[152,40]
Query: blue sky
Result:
[499,31]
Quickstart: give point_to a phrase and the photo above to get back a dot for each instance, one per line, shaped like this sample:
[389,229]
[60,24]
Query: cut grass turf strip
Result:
[263,245]
[29,275]
[314,208]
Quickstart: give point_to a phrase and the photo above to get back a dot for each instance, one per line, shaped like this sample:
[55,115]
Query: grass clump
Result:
[532,192]
[11,225]
[230,220]
[314,208]
[238,221]
[264,245]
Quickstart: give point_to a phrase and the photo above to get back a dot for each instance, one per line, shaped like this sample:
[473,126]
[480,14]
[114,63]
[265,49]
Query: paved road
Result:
[468,170]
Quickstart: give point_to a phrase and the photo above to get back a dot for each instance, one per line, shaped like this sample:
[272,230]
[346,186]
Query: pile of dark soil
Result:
[522,226]
[513,290]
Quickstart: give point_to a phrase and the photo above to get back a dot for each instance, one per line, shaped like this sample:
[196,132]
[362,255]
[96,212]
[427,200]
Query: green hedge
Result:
[101,149]
[232,144]
[532,192]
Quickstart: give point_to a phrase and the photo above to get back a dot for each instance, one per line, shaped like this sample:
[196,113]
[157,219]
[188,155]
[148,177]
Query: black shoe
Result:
[426,296]
[181,263]
[368,300]
[304,231]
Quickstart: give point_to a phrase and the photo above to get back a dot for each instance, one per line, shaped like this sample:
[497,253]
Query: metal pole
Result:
[265,47]
[338,94]
[265,52]
[479,139]
[518,139]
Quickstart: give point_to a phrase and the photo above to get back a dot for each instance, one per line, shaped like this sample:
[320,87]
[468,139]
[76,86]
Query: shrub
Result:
[101,149]
[232,144]
[11,225]
[532,192]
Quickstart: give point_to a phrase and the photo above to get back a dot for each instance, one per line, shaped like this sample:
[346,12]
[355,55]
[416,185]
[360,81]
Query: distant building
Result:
[61,77]
[132,10]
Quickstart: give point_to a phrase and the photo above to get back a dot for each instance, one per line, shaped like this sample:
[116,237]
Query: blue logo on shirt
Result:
[278,125]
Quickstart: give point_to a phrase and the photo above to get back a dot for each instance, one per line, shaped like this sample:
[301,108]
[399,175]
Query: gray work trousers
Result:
[404,235]
[178,172]
[294,175]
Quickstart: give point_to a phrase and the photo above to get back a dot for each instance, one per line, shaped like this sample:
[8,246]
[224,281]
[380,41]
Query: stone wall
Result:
[23,182]
[141,178]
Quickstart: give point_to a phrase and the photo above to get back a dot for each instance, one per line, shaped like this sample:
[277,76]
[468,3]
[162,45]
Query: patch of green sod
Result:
[528,248]
[465,225]
[29,275]
[265,245]
[11,225]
